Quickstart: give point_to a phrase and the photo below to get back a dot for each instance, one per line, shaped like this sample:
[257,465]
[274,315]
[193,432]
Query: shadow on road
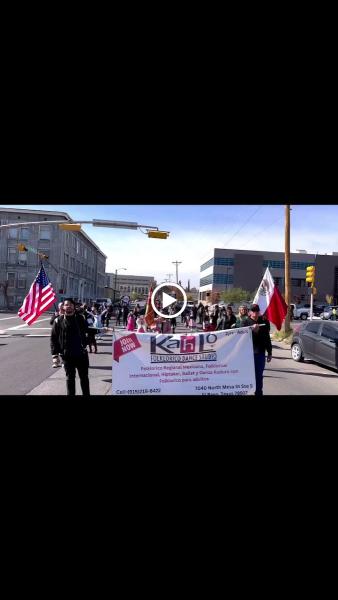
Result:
[283,349]
[99,367]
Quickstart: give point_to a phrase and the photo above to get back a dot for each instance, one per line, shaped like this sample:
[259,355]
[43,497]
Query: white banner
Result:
[215,362]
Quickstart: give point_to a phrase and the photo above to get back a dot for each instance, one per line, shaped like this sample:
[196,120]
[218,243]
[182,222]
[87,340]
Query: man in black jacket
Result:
[69,338]
[261,344]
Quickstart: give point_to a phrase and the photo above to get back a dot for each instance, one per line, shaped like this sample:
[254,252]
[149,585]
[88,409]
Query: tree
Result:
[134,296]
[329,299]
[236,295]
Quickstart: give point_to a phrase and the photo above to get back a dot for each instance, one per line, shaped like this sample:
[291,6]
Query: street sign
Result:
[126,299]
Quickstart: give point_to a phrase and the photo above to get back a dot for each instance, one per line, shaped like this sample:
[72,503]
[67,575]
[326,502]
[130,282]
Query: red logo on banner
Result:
[125,345]
[187,343]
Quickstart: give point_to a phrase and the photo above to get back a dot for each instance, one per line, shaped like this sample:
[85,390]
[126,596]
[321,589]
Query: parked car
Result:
[301,311]
[318,309]
[327,312]
[318,341]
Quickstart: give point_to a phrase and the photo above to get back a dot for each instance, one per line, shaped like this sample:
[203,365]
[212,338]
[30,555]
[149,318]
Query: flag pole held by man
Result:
[39,298]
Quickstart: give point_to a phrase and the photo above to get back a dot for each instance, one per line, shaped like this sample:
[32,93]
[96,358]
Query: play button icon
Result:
[167,300]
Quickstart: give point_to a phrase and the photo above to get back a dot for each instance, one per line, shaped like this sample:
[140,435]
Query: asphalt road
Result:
[25,362]
[285,377]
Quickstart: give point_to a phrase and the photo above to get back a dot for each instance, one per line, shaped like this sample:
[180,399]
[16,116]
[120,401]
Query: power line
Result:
[238,230]
[247,221]
[262,230]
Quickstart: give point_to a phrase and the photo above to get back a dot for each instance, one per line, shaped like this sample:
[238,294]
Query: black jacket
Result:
[261,338]
[69,335]
[226,322]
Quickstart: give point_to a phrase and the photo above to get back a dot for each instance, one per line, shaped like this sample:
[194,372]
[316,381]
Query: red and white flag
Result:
[40,297]
[270,300]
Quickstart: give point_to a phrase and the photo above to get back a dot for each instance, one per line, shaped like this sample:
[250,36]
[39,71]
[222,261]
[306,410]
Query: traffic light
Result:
[161,235]
[70,226]
[310,275]
[22,248]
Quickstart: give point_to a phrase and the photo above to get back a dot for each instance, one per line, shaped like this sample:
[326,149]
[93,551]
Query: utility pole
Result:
[287,279]
[176,262]
[170,276]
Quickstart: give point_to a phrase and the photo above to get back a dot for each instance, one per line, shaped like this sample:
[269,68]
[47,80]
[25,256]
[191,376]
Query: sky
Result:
[196,230]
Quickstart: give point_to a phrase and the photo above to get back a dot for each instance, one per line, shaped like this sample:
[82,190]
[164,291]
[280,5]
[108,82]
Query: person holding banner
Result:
[261,344]
[69,337]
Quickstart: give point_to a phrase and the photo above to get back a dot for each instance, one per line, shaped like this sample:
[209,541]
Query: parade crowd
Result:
[76,327]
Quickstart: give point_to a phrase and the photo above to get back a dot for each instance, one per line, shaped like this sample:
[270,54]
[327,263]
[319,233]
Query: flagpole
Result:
[287,280]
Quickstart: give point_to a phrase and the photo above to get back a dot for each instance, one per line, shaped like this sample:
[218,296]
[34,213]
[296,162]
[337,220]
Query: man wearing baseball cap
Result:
[261,344]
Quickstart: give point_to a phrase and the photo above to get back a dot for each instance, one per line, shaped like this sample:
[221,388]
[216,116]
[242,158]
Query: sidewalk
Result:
[100,374]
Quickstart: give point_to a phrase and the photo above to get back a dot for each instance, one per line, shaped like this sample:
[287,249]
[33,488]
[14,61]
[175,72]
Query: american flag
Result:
[40,297]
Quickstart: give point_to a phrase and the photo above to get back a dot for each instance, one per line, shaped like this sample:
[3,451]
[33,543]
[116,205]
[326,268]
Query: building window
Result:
[78,266]
[22,258]
[24,233]
[222,278]
[65,260]
[85,252]
[206,280]
[13,233]
[209,263]
[22,280]
[77,246]
[11,280]
[224,261]
[11,253]
[45,233]
[72,263]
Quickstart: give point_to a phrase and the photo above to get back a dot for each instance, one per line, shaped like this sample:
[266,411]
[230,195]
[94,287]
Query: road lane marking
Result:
[37,335]
[25,324]
[7,318]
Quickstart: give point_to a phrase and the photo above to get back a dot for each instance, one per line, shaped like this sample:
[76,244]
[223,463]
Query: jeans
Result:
[259,368]
[80,363]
